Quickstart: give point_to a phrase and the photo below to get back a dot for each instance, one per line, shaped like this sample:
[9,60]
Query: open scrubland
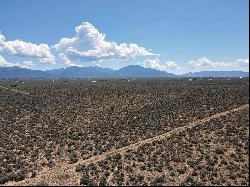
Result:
[120,132]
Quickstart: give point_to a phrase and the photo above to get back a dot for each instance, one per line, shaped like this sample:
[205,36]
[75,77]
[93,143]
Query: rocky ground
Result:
[46,123]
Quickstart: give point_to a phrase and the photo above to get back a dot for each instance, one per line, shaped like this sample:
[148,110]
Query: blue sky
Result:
[172,35]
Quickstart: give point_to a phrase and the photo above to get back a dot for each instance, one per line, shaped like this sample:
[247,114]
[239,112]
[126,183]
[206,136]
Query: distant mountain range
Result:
[217,74]
[95,72]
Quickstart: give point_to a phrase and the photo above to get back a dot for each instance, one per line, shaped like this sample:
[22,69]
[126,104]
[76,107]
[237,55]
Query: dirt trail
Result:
[158,137]
[14,90]
[64,174]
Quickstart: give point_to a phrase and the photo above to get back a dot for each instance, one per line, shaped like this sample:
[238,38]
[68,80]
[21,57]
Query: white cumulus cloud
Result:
[66,61]
[89,44]
[165,66]
[242,63]
[204,63]
[27,63]
[26,49]
[4,63]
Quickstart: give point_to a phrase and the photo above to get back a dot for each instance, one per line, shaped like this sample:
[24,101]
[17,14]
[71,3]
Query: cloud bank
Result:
[90,45]
[5,63]
[204,63]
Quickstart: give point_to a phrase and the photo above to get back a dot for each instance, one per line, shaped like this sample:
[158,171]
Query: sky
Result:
[176,36]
